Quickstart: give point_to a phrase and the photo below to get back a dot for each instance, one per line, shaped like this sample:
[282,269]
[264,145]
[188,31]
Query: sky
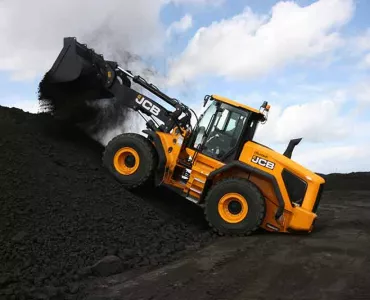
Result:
[309,59]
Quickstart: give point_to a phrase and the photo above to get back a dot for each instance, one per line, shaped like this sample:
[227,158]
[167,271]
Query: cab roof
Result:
[236,104]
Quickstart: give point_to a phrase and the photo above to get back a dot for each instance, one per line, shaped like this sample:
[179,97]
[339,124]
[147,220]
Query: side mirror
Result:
[206,98]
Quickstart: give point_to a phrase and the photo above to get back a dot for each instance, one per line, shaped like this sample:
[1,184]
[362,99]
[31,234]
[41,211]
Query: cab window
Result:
[225,132]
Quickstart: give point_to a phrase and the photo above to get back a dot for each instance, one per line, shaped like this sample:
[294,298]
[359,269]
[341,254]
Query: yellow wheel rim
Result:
[233,208]
[126,161]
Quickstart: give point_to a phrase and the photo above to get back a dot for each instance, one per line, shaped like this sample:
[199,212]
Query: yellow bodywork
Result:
[294,217]
[235,104]
[120,161]
[223,208]
[297,218]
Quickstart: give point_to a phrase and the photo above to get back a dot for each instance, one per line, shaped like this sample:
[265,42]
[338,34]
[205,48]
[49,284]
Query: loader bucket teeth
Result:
[68,65]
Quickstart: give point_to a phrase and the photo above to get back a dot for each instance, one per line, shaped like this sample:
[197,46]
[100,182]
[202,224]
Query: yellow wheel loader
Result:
[241,184]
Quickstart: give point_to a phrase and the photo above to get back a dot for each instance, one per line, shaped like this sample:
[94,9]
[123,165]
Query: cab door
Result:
[214,143]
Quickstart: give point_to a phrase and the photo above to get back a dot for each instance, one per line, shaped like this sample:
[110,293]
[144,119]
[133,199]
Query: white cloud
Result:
[318,119]
[316,122]
[358,47]
[28,105]
[362,93]
[31,106]
[365,63]
[32,31]
[185,23]
[334,159]
[249,45]
[196,2]
[335,132]
[362,41]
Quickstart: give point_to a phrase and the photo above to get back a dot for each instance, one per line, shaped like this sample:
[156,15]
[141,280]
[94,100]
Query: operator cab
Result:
[224,128]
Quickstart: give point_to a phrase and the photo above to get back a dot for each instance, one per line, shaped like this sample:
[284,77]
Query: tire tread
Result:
[144,144]
[260,199]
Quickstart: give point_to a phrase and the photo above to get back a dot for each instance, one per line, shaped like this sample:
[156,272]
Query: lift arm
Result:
[77,59]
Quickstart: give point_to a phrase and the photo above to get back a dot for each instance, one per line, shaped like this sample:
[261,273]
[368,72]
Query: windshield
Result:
[204,121]
[221,126]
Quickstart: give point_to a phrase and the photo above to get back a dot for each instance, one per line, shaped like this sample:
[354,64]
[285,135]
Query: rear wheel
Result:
[131,159]
[234,206]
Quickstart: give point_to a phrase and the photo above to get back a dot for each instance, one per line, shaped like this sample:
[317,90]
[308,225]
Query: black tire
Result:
[147,161]
[255,211]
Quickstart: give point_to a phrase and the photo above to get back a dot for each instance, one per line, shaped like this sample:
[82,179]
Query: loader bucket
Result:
[72,85]
[68,65]
[76,90]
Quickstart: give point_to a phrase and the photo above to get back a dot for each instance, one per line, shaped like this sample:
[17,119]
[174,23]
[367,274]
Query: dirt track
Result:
[60,213]
[331,263]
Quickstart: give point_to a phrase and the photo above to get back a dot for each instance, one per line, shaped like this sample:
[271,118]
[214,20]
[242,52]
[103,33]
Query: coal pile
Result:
[351,181]
[61,212]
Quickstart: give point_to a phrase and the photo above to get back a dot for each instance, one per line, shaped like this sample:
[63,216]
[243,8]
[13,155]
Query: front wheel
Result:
[131,159]
[234,206]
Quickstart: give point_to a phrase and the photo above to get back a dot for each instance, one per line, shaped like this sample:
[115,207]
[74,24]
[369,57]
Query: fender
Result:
[252,170]
[162,160]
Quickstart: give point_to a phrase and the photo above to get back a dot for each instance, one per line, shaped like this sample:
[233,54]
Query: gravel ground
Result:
[332,262]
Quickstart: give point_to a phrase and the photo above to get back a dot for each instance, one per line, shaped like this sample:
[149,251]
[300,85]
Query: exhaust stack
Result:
[289,150]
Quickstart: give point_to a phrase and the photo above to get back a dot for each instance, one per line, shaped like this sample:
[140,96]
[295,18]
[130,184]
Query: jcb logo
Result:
[148,105]
[263,162]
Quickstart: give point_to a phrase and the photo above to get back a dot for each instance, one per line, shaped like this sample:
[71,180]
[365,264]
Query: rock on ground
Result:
[108,265]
